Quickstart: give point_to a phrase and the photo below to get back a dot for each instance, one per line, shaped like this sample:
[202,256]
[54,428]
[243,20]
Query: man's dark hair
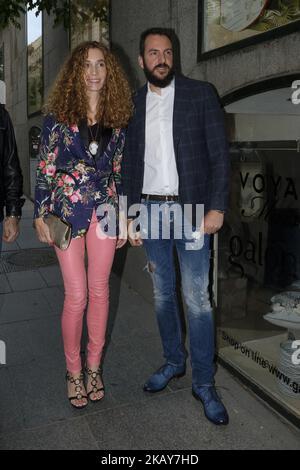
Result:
[155,31]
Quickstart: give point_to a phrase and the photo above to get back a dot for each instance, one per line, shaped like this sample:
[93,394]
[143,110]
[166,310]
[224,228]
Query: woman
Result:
[79,171]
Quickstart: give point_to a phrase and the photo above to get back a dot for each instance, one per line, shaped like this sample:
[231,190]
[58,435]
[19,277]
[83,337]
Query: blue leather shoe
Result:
[214,409]
[162,377]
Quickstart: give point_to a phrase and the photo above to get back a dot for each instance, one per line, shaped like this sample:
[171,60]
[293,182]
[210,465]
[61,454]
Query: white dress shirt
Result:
[160,175]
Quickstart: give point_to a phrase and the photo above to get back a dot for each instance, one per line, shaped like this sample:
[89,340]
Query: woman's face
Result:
[95,70]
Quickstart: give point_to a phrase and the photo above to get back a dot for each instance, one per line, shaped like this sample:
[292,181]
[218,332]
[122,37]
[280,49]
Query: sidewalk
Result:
[34,411]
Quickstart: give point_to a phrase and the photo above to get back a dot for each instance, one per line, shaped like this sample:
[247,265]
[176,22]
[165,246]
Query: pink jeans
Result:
[78,285]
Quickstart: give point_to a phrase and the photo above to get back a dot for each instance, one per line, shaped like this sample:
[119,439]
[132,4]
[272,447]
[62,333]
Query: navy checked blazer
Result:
[200,145]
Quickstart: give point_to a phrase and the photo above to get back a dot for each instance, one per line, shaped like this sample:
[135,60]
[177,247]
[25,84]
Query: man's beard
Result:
[159,82]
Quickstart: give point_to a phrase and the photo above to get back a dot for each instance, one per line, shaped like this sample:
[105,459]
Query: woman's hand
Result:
[43,231]
[121,242]
[122,238]
[134,237]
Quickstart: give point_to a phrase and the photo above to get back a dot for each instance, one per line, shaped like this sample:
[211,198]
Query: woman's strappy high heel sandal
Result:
[93,374]
[78,390]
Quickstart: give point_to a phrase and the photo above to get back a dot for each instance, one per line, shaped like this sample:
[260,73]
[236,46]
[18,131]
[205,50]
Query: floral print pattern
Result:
[69,181]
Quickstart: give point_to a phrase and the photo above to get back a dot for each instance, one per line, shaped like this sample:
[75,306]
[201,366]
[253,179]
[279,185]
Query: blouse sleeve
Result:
[46,168]
[117,161]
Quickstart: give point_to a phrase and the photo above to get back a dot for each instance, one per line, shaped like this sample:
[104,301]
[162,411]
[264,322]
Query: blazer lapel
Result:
[179,112]
[140,120]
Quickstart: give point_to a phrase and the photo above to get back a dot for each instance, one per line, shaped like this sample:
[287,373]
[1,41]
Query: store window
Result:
[34,63]
[84,27]
[259,252]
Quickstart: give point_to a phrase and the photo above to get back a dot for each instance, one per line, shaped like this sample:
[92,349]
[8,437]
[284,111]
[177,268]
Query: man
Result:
[11,181]
[176,152]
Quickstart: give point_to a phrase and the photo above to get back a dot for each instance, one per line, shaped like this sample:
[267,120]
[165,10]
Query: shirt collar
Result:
[164,91]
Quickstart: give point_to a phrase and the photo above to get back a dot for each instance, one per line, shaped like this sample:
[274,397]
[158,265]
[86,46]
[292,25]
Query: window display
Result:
[83,27]
[259,271]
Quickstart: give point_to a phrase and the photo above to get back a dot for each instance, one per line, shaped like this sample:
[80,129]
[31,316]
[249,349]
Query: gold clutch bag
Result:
[60,231]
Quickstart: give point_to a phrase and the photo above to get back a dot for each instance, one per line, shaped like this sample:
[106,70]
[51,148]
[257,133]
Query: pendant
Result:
[93,147]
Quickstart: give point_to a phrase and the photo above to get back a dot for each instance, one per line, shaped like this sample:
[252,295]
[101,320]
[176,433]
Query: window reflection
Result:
[83,27]
[259,269]
[35,62]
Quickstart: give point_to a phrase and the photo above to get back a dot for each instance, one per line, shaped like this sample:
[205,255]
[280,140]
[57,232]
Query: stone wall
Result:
[56,47]
[228,72]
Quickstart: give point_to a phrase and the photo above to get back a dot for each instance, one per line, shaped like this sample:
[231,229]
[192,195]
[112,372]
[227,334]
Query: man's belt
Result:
[161,198]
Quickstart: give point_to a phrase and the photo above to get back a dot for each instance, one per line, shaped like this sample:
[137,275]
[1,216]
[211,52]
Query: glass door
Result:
[258,275]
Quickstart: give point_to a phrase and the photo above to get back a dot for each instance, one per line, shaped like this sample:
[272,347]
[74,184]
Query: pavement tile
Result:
[20,306]
[43,389]
[51,275]
[10,246]
[54,297]
[46,336]
[4,285]
[125,373]
[11,416]
[24,281]
[74,434]
[175,421]
[28,239]
[18,340]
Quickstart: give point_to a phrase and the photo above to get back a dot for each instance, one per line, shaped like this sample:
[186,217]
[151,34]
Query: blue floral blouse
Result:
[70,182]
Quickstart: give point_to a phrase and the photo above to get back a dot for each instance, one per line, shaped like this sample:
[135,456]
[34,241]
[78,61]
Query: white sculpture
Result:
[285,310]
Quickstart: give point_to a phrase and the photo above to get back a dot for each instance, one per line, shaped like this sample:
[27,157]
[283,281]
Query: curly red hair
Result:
[68,99]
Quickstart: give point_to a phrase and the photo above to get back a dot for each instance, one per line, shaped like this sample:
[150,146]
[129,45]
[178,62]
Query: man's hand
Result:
[134,237]
[11,229]
[43,231]
[213,222]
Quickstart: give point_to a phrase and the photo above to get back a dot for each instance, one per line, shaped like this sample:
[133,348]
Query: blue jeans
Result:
[194,267]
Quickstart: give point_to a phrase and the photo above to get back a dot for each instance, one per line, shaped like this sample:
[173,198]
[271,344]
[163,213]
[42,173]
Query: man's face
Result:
[157,62]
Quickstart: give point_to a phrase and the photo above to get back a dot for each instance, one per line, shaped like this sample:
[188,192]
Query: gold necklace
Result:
[94,144]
